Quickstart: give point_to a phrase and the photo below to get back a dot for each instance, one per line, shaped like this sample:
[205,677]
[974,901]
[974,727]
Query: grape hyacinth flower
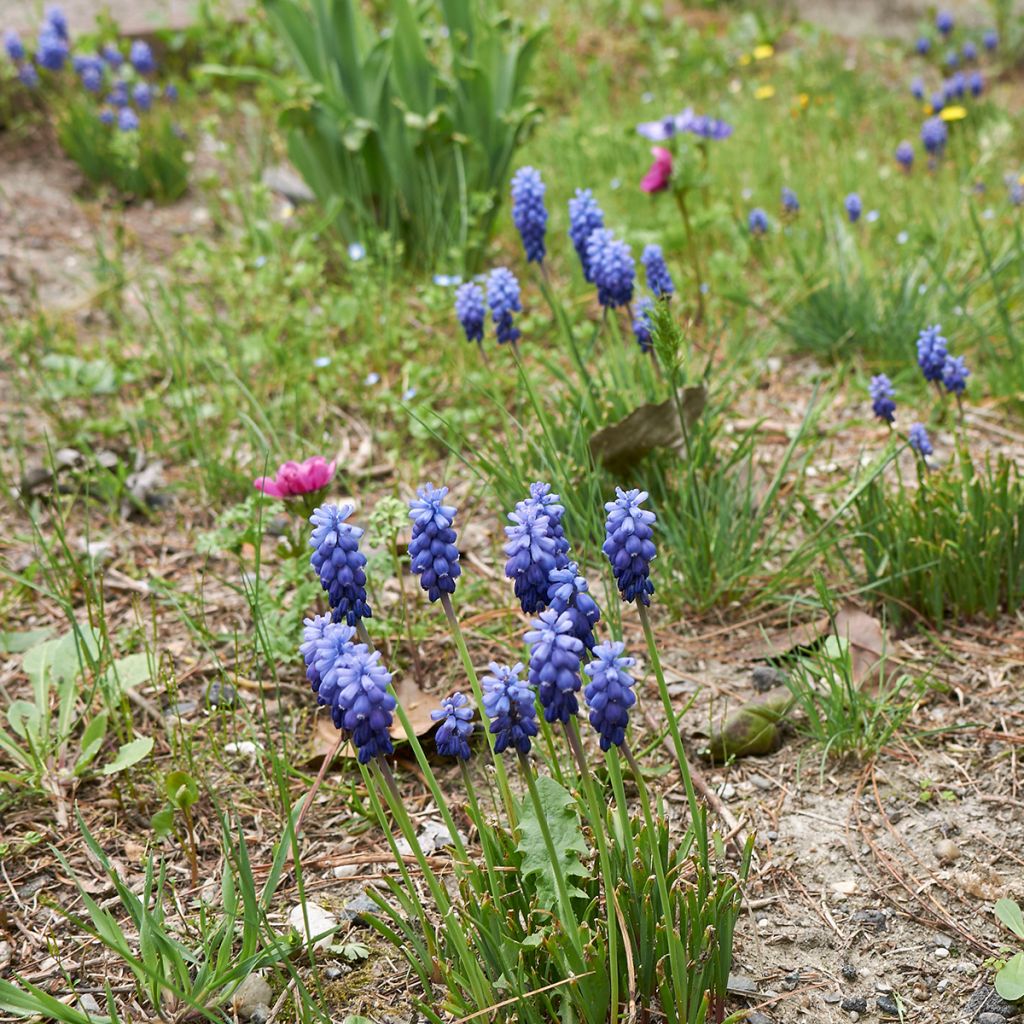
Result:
[118,96]
[642,323]
[171,93]
[106,116]
[905,155]
[934,135]
[952,59]
[433,555]
[610,693]
[295,479]
[141,57]
[508,703]
[55,19]
[706,127]
[456,717]
[955,374]
[52,52]
[658,131]
[917,89]
[931,352]
[142,94]
[969,51]
[1017,194]
[324,643]
[923,45]
[790,203]
[853,207]
[976,83]
[536,546]
[938,101]
[585,217]
[112,55]
[568,593]
[944,22]
[990,40]
[629,546]
[127,120]
[882,403]
[555,664]
[14,46]
[612,268]
[918,439]
[28,76]
[659,174]
[528,212]
[337,560]
[655,270]
[362,705]
[757,221]
[469,308]
[92,78]
[503,298]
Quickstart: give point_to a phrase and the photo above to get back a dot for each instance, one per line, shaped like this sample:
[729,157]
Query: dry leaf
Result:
[650,426]
[416,705]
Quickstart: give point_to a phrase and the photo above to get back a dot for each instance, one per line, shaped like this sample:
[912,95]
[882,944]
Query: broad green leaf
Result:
[34,1002]
[131,671]
[1010,914]
[181,789]
[92,740]
[24,718]
[16,643]
[163,821]
[129,754]
[563,823]
[1010,980]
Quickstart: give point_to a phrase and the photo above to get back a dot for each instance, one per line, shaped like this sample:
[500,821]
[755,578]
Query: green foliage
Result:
[147,163]
[409,131]
[1010,976]
[953,546]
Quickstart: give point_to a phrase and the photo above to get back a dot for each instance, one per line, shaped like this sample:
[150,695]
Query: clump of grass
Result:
[953,546]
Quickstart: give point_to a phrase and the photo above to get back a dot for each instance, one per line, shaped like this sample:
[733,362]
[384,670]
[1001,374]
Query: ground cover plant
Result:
[527,528]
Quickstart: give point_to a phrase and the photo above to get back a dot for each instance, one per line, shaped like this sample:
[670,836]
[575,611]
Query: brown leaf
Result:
[647,427]
[416,705]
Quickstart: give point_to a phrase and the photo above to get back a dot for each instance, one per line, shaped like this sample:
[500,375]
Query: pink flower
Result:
[296,478]
[657,178]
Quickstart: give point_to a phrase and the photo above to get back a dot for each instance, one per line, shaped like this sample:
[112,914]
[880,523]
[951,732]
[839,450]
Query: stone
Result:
[854,1004]
[888,1005]
[355,909]
[766,677]
[987,1000]
[87,1003]
[990,1018]
[741,985]
[253,993]
[221,695]
[874,919]
[318,921]
[946,851]
[849,972]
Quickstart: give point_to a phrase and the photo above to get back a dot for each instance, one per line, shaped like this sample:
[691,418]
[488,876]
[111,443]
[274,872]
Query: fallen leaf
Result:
[647,427]
[416,705]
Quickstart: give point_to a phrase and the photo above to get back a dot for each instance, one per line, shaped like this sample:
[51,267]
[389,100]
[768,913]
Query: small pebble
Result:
[253,993]
[758,1018]
[221,695]
[940,953]
[947,851]
[991,1018]
[87,1003]
[886,1004]
[854,1004]
[849,972]
[356,908]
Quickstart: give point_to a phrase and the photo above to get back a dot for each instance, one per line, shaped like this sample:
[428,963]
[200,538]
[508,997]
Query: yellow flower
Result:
[928,111]
[764,51]
[804,100]
[744,59]
[953,113]
[764,92]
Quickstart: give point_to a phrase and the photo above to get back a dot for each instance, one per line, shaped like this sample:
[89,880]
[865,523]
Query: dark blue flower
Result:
[118,96]
[469,308]
[938,101]
[918,438]
[882,403]
[338,562]
[954,87]
[92,78]
[905,154]
[171,93]
[536,546]
[452,737]
[642,323]
[917,89]
[28,76]
[142,94]
[952,59]
[990,39]
[934,135]
[923,45]
[362,705]
[976,83]
[433,555]
[708,127]
[112,55]
[509,704]
[944,22]
[13,45]
[528,212]
[955,374]
[52,51]
[555,664]
[568,593]
[658,278]
[853,207]
[106,116]
[628,544]
[610,693]
[1017,193]
[503,298]
[931,352]
[57,21]
[790,203]
[757,221]
[141,57]
[127,120]
[970,51]
[612,268]
[585,217]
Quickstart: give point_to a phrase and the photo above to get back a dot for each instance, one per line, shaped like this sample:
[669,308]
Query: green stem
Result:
[478,693]
[691,245]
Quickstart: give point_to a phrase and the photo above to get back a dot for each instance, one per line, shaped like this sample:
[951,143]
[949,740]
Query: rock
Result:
[946,851]
[987,1000]
[849,972]
[854,1004]
[221,695]
[319,921]
[435,836]
[832,998]
[763,784]
[874,919]
[887,1005]
[181,709]
[791,980]
[252,994]
[990,1018]
[259,1014]
[765,677]
[346,870]
[87,1003]
[243,748]
[741,985]
[356,908]
[758,1018]
[286,182]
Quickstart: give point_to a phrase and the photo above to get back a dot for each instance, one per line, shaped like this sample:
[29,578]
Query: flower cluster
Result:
[433,555]
[629,545]
[611,267]
[297,479]
[338,562]
[882,403]
[642,326]
[536,546]
[701,125]
[509,704]
[609,693]
[555,654]
[469,308]
[757,221]
[853,207]
[503,299]
[790,203]
[936,363]
[528,212]
[568,593]
[585,217]
[659,281]
[456,718]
